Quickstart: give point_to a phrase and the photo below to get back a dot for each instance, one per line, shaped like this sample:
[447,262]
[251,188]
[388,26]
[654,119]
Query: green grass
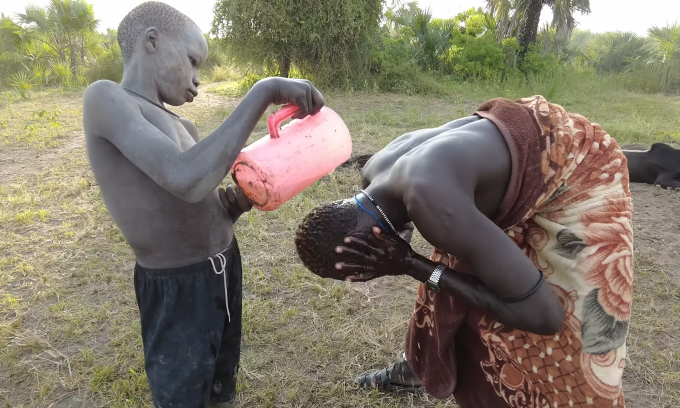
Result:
[69,325]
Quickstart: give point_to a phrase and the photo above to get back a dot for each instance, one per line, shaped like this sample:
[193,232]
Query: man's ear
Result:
[150,38]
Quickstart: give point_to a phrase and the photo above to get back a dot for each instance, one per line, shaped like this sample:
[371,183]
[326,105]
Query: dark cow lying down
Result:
[659,165]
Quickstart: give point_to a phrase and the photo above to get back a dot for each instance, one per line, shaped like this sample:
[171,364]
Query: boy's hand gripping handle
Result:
[277,118]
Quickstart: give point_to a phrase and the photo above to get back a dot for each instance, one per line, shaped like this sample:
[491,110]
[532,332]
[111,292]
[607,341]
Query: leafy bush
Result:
[615,52]
[394,68]
[407,79]
[534,63]
[389,53]
[109,65]
[551,84]
[62,73]
[217,55]
[220,74]
[474,57]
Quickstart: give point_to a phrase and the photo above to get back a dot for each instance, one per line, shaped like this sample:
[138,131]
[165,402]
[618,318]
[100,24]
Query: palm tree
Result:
[427,37]
[663,54]
[64,27]
[13,46]
[523,17]
[614,52]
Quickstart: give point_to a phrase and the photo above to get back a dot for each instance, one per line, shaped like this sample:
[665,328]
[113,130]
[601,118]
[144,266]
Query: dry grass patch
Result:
[69,325]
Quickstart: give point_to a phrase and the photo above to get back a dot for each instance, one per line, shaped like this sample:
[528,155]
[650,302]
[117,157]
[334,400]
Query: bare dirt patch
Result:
[657,226]
[21,161]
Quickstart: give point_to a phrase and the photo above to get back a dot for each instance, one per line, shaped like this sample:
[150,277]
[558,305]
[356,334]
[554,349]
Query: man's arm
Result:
[111,114]
[366,257]
[543,321]
[459,228]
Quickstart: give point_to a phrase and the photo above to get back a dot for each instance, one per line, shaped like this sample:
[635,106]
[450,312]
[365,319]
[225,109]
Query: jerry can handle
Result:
[277,118]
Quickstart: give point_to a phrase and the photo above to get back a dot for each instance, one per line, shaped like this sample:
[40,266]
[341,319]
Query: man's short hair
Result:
[321,231]
[149,14]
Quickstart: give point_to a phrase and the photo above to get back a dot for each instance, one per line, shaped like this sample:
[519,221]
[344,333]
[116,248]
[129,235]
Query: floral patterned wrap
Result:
[569,209]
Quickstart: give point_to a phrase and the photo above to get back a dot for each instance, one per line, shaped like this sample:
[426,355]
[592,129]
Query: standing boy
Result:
[159,183]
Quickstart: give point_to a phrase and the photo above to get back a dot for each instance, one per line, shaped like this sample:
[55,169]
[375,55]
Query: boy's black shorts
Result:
[191,349]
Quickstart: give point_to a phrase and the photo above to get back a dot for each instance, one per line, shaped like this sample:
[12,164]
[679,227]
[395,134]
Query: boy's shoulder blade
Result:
[102,87]
[105,106]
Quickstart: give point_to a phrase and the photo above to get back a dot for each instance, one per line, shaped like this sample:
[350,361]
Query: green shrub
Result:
[552,85]
[407,79]
[534,63]
[474,57]
[389,53]
[108,66]
[219,74]
[327,39]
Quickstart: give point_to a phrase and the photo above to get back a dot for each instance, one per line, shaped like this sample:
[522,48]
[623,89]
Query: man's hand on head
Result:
[298,92]
[369,256]
[235,201]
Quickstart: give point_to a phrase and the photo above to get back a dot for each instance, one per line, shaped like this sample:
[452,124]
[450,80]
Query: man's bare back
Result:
[394,166]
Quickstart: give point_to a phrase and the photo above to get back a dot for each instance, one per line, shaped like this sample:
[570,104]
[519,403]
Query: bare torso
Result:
[394,166]
[163,230]
[450,183]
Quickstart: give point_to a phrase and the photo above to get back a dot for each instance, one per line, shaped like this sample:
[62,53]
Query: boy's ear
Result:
[150,38]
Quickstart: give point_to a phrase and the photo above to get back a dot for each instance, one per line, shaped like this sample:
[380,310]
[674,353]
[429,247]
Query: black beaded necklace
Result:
[150,101]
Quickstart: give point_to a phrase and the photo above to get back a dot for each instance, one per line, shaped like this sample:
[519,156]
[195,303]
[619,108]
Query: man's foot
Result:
[396,377]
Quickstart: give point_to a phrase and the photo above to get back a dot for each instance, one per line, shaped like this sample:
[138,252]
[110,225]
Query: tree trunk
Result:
[74,64]
[528,27]
[284,66]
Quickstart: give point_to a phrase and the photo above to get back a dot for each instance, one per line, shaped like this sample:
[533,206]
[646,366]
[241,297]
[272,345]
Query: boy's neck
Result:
[141,81]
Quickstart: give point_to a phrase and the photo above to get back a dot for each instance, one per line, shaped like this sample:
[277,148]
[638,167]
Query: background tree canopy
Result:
[354,44]
[330,39]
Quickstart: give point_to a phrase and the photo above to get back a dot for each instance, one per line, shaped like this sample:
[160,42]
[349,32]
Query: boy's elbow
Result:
[184,190]
[191,195]
[192,198]
[194,190]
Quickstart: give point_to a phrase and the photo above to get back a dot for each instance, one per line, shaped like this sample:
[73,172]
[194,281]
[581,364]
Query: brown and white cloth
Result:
[569,209]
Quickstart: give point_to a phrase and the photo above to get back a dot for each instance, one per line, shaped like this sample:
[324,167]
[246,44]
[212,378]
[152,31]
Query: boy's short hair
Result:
[321,231]
[149,14]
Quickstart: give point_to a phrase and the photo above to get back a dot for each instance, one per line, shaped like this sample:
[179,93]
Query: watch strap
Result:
[433,282]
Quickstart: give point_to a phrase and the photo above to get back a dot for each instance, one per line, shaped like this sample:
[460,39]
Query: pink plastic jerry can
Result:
[277,167]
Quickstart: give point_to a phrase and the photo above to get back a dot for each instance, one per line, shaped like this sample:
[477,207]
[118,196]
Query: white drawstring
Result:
[223,263]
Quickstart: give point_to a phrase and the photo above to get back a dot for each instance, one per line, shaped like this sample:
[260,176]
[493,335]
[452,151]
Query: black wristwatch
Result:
[433,282]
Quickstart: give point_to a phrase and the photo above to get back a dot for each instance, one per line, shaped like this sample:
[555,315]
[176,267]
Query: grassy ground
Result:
[69,327]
